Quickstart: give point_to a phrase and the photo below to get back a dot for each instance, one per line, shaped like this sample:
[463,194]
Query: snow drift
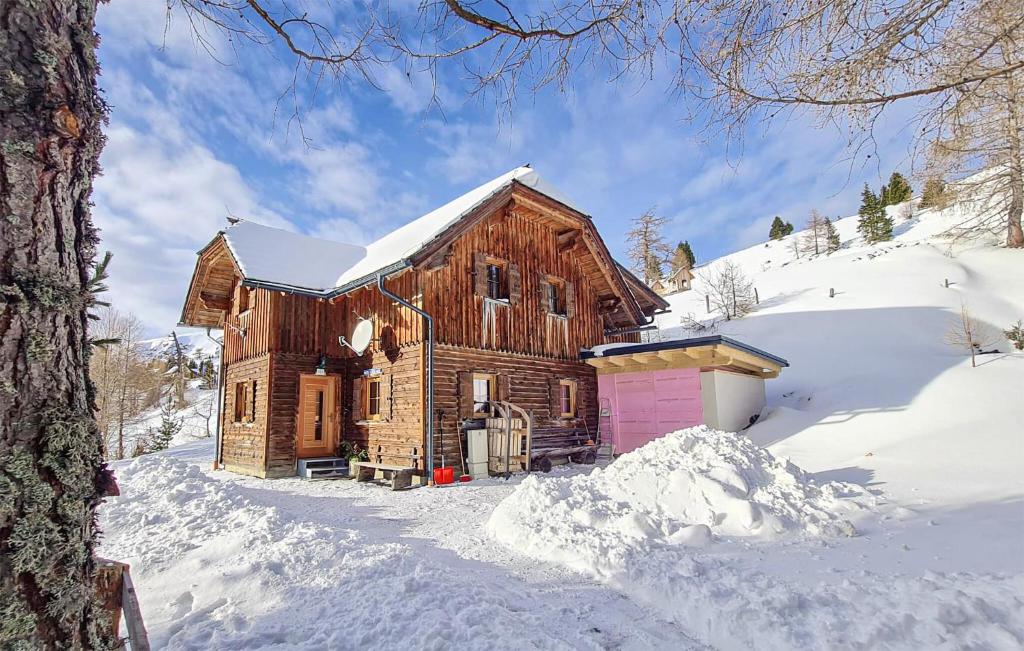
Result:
[684,487]
[644,525]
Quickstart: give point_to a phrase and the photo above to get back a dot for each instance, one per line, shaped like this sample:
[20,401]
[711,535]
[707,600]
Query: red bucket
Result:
[444,475]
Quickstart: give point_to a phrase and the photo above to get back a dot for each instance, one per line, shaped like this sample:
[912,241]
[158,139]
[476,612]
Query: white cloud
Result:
[157,202]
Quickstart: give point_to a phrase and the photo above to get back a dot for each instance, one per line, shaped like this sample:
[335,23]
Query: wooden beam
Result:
[755,360]
[215,302]
[567,240]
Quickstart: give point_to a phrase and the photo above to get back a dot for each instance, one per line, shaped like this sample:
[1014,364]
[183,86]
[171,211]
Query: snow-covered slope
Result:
[873,392]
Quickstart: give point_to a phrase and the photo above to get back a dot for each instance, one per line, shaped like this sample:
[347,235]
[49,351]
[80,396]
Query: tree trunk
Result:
[179,386]
[50,446]
[1014,234]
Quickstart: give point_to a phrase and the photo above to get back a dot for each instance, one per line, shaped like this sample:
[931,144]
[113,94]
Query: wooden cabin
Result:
[681,280]
[515,277]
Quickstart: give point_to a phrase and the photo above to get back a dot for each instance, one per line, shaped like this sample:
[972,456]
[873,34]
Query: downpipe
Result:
[430,372]
[218,463]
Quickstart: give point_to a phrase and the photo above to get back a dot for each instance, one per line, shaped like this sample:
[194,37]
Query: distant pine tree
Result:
[682,257]
[896,191]
[831,237]
[161,438]
[777,230]
[873,224]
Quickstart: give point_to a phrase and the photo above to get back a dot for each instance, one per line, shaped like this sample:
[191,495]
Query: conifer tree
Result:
[778,226]
[683,257]
[652,270]
[896,191]
[874,224]
[831,237]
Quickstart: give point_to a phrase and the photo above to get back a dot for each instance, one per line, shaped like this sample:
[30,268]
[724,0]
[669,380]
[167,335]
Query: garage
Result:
[647,390]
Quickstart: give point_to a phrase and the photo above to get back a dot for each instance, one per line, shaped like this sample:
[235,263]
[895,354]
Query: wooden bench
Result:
[398,477]
[552,443]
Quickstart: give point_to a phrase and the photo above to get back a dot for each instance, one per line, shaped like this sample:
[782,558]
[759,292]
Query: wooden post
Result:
[947,283]
[707,302]
[831,292]
[137,635]
[757,299]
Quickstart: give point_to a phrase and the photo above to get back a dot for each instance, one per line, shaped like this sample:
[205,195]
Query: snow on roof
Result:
[285,258]
[407,240]
[289,259]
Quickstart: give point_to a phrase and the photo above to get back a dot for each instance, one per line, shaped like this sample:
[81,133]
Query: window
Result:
[373,406]
[243,299]
[497,281]
[483,393]
[567,398]
[240,401]
[318,424]
[245,402]
[556,296]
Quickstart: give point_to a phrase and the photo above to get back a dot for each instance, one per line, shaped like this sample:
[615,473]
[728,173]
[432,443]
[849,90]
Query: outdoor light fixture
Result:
[321,368]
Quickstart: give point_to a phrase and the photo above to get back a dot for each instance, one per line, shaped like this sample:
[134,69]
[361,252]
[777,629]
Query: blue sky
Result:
[194,137]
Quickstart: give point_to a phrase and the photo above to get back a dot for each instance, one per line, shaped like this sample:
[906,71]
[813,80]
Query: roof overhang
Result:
[650,301]
[209,290]
[713,352]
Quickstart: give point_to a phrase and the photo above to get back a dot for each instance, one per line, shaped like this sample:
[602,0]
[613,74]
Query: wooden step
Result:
[321,466]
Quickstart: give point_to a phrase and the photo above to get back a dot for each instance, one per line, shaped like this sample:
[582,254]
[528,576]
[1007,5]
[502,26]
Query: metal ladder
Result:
[604,430]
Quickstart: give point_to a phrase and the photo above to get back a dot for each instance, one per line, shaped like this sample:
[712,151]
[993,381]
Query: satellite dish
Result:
[362,335]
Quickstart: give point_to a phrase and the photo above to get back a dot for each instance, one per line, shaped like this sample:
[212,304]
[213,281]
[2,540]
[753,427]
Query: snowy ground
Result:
[934,451]
[228,562]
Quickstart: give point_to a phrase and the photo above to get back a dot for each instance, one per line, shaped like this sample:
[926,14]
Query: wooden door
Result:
[317,434]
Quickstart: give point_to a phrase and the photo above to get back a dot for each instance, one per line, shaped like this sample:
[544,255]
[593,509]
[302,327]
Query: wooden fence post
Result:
[831,292]
[707,303]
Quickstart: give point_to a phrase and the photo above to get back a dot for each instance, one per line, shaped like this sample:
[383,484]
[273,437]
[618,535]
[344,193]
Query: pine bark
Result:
[50,448]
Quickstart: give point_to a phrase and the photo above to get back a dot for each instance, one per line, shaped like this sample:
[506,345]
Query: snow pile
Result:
[684,488]
[643,525]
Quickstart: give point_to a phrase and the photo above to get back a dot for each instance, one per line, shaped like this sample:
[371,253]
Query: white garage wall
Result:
[730,399]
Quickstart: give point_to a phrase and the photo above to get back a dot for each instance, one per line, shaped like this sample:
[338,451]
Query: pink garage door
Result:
[648,404]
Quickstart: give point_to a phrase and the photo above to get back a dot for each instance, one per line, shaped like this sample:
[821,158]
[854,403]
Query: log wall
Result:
[398,438]
[466,319]
[243,443]
[523,380]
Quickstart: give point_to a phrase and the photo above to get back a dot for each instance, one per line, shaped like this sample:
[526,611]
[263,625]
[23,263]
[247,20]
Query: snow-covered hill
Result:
[195,344]
[873,392]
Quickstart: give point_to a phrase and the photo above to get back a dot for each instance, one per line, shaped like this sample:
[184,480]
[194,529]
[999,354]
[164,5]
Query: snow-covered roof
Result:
[285,258]
[289,259]
[407,240]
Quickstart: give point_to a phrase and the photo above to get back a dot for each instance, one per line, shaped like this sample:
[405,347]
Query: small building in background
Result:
[679,281]
[648,390]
